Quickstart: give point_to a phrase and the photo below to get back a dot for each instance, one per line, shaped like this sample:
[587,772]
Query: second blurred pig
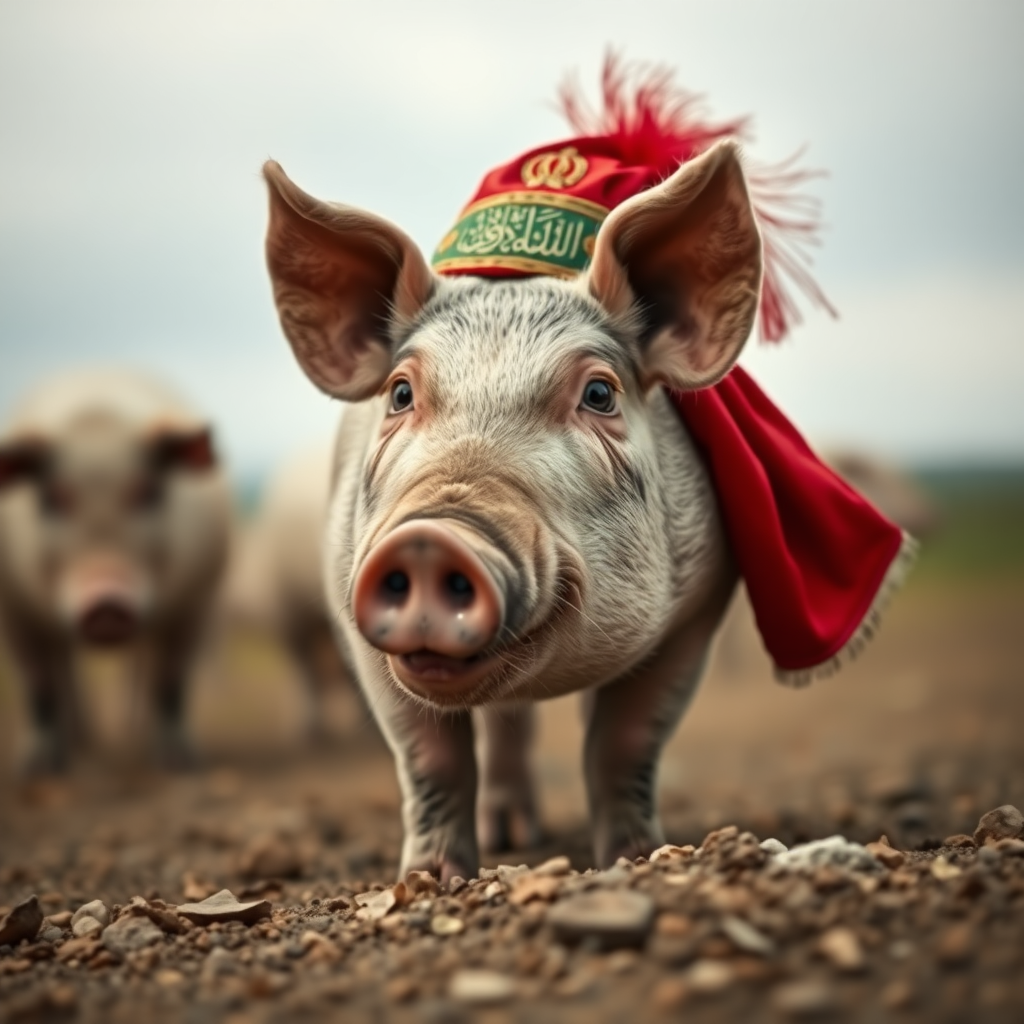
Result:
[114,526]
[276,581]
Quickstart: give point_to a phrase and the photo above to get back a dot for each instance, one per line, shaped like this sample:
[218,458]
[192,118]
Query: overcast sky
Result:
[132,213]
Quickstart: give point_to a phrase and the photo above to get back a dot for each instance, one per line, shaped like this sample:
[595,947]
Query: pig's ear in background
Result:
[340,277]
[685,259]
[21,461]
[185,448]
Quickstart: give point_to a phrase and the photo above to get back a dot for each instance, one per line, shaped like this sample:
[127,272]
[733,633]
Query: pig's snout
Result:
[422,592]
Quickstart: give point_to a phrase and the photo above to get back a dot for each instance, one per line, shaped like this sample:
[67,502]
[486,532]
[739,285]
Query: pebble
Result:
[479,986]
[943,870]
[553,866]
[130,934]
[612,917]
[835,851]
[773,847]
[746,937]
[885,854]
[23,921]
[534,887]
[97,910]
[222,906]
[842,948]
[446,924]
[375,905]
[955,946]
[709,977]
[60,920]
[86,926]
[1004,822]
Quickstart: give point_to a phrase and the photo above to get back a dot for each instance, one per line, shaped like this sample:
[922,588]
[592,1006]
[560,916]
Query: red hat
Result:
[818,560]
[540,213]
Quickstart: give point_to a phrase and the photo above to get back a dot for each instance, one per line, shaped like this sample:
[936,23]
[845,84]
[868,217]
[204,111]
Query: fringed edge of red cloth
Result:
[819,561]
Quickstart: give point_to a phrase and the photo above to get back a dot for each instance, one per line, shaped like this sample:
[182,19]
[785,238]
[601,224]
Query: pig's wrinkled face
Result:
[510,513]
[94,540]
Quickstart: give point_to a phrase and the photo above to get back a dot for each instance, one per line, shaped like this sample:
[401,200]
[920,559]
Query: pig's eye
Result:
[599,396]
[401,396]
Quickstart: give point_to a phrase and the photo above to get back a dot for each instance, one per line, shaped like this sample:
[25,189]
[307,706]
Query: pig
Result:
[114,528]
[276,581]
[517,511]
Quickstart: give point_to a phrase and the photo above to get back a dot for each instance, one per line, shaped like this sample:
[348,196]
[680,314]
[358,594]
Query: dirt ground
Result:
[916,741]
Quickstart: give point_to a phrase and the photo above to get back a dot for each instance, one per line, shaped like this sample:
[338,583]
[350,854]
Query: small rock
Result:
[773,847]
[422,884]
[78,949]
[169,978]
[51,933]
[533,887]
[810,998]
[130,934]
[86,926]
[611,917]
[835,851]
[553,866]
[21,922]
[673,925]
[943,870]
[746,937]
[375,905]
[446,924]
[1011,847]
[222,906]
[959,842]
[843,949]
[1004,822]
[97,910]
[473,986]
[708,977]
[668,852]
[60,920]
[885,854]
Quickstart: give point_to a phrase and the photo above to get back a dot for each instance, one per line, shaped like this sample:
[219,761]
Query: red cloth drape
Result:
[814,554]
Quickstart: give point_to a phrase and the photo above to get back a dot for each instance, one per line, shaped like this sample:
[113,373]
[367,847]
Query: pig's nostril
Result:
[459,587]
[396,584]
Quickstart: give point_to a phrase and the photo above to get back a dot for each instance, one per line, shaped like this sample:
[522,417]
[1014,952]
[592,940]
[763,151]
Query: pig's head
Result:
[91,546]
[510,521]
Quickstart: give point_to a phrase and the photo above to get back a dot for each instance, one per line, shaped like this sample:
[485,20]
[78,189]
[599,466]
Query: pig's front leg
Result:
[437,773]
[45,664]
[628,723]
[173,657]
[506,807]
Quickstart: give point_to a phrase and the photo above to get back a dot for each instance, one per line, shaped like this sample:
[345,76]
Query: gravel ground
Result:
[105,875]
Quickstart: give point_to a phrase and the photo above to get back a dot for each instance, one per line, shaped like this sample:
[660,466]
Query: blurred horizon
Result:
[132,215]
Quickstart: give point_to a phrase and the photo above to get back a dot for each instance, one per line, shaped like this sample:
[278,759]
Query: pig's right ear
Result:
[340,278]
[21,461]
[683,261]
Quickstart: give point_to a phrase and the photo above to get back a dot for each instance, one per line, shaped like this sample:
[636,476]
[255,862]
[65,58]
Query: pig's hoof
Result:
[641,841]
[510,827]
[444,854]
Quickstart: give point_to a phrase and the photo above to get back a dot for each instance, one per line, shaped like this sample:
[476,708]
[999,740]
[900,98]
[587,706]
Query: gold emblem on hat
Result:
[554,170]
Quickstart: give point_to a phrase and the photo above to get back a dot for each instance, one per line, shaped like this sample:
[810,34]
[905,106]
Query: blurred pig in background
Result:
[276,581]
[114,529]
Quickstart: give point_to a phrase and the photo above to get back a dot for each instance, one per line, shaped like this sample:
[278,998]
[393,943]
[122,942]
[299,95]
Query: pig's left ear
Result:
[21,461]
[188,448]
[340,277]
[685,258]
